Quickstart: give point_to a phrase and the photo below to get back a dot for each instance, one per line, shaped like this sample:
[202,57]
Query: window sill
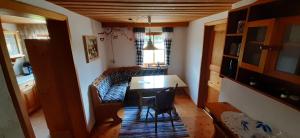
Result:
[15,57]
[154,66]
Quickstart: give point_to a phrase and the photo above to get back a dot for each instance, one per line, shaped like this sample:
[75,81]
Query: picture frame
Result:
[90,48]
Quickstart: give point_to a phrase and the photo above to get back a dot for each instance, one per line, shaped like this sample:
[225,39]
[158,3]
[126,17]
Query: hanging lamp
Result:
[150,45]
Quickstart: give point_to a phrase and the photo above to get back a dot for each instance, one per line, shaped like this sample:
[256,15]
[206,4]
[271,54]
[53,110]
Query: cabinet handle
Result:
[270,48]
[263,47]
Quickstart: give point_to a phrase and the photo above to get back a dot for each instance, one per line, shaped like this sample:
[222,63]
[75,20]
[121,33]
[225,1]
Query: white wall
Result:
[86,72]
[261,107]
[195,35]
[10,126]
[125,51]
[178,50]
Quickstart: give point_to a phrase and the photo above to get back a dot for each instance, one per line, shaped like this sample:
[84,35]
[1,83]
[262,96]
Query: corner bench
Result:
[109,89]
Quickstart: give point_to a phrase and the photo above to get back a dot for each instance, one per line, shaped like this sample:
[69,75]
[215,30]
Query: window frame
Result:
[153,51]
[17,39]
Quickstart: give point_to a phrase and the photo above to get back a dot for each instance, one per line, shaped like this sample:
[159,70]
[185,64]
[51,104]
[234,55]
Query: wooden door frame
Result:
[13,88]
[208,43]
[25,10]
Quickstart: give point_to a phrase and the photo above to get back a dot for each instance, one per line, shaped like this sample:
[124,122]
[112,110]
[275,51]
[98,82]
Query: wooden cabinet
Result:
[255,44]
[264,54]
[233,42]
[29,93]
[284,59]
[273,47]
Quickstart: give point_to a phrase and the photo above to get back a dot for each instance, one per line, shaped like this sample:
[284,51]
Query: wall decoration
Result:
[115,33]
[90,48]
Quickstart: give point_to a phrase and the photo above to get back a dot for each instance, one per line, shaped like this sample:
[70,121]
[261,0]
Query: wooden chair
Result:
[163,102]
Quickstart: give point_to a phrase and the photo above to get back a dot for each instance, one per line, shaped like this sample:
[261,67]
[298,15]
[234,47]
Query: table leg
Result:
[140,105]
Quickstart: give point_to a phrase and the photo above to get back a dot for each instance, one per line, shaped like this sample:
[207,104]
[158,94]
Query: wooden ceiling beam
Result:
[140,10]
[144,20]
[150,9]
[144,17]
[103,19]
[145,7]
[137,10]
[138,4]
[148,1]
[122,24]
[149,6]
[145,13]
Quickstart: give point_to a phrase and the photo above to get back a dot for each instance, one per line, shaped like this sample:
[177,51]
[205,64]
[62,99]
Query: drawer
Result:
[26,87]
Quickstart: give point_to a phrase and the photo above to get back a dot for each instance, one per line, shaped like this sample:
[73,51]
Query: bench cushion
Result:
[111,86]
[149,72]
[116,93]
[104,87]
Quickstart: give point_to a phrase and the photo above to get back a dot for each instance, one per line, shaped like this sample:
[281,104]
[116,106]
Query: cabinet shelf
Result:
[231,56]
[256,42]
[239,34]
[229,67]
[286,101]
[269,86]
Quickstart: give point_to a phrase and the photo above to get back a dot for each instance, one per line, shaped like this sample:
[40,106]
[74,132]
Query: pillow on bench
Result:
[112,84]
[104,86]
[116,93]
[109,89]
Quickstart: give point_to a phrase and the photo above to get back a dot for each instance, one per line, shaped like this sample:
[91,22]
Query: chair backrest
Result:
[164,100]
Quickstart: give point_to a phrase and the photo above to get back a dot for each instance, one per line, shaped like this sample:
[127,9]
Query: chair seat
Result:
[148,101]
[116,93]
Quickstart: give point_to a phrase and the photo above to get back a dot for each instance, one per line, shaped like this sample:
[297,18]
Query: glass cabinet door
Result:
[285,60]
[289,54]
[255,45]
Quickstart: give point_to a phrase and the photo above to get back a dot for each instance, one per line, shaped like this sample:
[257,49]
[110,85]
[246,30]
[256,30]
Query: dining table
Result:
[146,86]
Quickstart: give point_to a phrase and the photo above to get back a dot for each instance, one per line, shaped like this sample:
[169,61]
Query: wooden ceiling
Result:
[161,11]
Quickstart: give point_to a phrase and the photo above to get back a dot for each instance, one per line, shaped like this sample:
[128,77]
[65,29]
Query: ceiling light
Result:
[150,44]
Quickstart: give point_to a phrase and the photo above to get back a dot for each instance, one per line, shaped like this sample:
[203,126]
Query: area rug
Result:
[137,127]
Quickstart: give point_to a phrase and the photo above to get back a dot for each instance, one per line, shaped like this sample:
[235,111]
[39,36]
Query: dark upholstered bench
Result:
[109,89]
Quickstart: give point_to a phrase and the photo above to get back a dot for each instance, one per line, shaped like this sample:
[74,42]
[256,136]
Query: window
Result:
[11,39]
[154,56]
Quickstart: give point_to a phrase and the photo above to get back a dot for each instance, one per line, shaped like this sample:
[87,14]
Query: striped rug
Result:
[135,127]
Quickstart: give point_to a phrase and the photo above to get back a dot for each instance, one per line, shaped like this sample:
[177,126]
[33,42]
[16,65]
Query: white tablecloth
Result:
[245,127]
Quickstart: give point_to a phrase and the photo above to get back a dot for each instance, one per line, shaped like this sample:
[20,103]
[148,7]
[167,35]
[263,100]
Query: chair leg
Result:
[171,118]
[155,122]
[174,110]
[147,114]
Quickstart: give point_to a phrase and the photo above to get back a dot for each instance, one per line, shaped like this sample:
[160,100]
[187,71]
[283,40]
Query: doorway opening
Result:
[54,75]
[16,31]
[210,80]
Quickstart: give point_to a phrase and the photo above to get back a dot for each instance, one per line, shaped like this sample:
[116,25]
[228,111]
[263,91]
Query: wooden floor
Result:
[39,124]
[198,123]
